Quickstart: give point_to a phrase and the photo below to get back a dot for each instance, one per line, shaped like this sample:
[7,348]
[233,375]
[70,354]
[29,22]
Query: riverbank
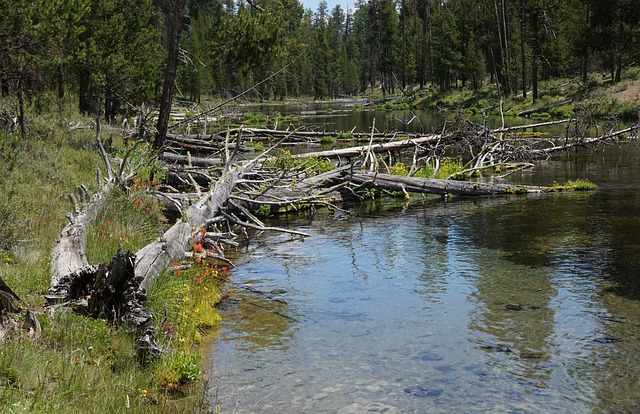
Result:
[78,364]
[558,99]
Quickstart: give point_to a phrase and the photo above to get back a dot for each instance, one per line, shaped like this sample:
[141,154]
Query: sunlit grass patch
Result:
[184,302]
[129,221]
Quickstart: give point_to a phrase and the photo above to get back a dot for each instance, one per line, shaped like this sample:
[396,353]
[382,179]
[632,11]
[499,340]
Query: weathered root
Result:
[109,291]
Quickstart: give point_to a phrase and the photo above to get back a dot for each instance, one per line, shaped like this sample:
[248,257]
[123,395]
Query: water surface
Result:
[503,304]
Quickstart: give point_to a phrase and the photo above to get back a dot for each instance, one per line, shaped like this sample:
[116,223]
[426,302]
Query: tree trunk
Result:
[170,74]
[378,148]
[534,58]
[523,34]
[435,186]
[86,98]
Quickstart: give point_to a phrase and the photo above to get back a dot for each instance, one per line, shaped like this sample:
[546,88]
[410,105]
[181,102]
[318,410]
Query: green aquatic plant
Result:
[574,185]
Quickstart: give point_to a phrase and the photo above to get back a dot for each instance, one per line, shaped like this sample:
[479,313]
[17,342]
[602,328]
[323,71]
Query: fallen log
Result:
[435,186]
[529,126]
[189,160]
[196,144]
[156,256]
[264,134]
[69,253]
[378,148]
[110,291]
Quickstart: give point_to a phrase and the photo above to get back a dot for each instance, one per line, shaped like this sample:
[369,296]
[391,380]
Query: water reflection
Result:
[507,304]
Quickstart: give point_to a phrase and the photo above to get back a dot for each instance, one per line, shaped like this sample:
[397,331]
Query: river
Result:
[516,304]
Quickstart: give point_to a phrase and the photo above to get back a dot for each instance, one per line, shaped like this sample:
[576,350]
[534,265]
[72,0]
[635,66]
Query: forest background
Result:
[111,54]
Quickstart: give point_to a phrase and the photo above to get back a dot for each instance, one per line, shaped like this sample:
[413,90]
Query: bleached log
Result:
[195,161]
[378,148]
[69,253]
[435,186]
[156,256]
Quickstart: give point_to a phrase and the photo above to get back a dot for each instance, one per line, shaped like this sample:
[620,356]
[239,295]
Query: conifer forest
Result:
[111,54]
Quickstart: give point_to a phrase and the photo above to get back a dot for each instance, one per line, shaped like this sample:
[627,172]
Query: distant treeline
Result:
[111,53]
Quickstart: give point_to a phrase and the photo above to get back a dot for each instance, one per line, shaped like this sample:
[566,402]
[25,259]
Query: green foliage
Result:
[450,168]
[129,221]
[345,135]
[574,185]
[255,119]
[425,172]
[398,169]
[263,211]
[33,202]
[255,145]
[145,162]
[185,298]
[284,161]
[630,112]
[544,116]
[189,366]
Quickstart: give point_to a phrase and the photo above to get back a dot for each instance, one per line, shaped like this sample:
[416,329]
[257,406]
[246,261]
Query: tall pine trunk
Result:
[170,74]
[523,57]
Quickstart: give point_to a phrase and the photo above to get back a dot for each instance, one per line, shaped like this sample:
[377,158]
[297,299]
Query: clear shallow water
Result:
[503,304]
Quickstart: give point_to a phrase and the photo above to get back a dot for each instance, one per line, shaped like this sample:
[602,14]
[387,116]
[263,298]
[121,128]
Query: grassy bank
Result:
[599,96]
[84,365]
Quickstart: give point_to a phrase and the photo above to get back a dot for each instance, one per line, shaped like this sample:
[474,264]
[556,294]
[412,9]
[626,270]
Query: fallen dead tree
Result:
[436,186]
[118,290]
[215,142]
[378,148]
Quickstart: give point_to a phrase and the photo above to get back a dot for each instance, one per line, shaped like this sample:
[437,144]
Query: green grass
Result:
[129,221]
[84,365]
[595,94]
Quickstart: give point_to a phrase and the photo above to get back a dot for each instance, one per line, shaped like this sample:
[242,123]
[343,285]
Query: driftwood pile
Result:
[216,192]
